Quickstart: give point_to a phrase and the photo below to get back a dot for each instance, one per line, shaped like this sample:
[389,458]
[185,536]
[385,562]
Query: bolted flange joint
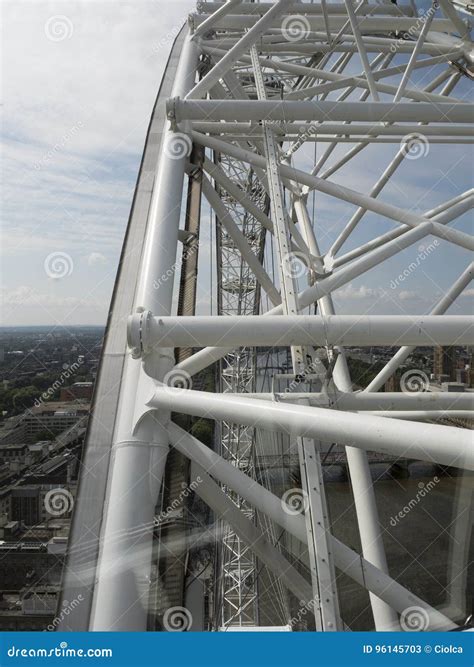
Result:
[171,111]
[138,332]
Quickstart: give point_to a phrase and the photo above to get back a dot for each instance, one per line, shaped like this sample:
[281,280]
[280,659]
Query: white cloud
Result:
[96,258]
[24,305]
[362,292]
[408,295]
[78,94]
[24,295]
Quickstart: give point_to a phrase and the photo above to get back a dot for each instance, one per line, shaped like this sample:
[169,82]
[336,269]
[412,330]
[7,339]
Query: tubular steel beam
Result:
[375,112]
[404,352]
[387,401]
[224,65]
[295,7]
[342,192]
[361,480]
[349,562]
[242,105]
[426,442]
[235,330]
[218,14]
[140,450]
[323,575]
[223,506]
[371,25]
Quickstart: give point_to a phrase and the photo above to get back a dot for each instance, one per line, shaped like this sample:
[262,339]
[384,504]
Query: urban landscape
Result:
[47,386]
[237,333]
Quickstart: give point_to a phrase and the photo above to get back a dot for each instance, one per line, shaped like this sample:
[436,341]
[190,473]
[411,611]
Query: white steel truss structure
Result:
[238,294]
[286,98]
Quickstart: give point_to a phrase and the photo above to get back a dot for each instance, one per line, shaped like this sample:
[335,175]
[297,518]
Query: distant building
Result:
[26,505]
[31,565]
[16,451]
[39,449]
[53,416]
[13,430]
[453,386]
[40,602]
[445,364]
[77,390]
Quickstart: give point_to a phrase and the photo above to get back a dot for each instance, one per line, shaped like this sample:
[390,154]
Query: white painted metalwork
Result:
[258,84]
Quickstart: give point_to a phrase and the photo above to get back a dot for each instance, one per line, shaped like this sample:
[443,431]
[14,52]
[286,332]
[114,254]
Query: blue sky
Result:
[75,113]
[78,89]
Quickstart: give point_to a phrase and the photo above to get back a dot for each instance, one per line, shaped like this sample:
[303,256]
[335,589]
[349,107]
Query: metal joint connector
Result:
[138,332]
[171,111]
